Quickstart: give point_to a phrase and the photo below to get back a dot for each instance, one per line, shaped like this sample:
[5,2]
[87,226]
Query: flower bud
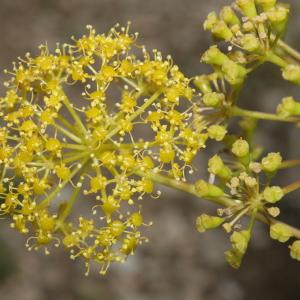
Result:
[213,56]
[255,167]
[292,73]
[205,222]
[249,42]
[266,4]
[280,232]
[295,250]
[240,148]
[217,167]
[271,162]
[211,19]
[217,132]
[205,189]
[234,73]
[240,240]
[166,154]
[248,27]
[213,99]
[273,211]
[203,84]
[278,16]
[247,7]
[234,258]
[273,194]
[288,107]
[221,31]
[251,182]
[229,16]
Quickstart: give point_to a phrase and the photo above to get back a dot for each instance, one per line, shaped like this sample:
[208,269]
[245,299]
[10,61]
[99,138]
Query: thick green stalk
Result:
[237,111]
[275,59]
[182,186]
[291,187]
[289,50]
[224,201]
[290,163]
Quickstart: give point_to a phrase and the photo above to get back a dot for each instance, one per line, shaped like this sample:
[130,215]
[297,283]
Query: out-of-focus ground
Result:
[178,263]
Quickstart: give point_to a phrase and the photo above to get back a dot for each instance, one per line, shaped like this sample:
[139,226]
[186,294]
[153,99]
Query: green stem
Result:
[75,156]
[182,186]
[74,114]
[290,164]
[289,50]
[74,146]
[67,124]
[69,206]
[60,186]
[291,187]
[252,219]
[224,201]
[131,83]
[67,133]
[134,115]
[275,59]
[237,111]
[71,201]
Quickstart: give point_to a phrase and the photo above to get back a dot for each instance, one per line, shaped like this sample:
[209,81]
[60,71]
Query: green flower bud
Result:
[247,7]
[217,132]
[213,56]
[280,232]
[234,258]
[205,222]
[288,107]
[233,72]
[205,189]
[238,57]
[229,16]
[211,19]
[295,250]
[203,84]
[213,99]
[240,240]
[249,27]
[271,162]
[249,42]
[278,16]
[217,167]
[240,148]
[273,211]
[292,73]
[273,194]
[221,31]
[266,4]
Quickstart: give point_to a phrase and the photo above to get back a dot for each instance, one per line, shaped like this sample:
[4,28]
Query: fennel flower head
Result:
[131,117]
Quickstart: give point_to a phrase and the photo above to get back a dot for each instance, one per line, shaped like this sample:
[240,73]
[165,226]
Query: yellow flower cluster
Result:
[251,30]
[130,114]
[241,178]
[251,25]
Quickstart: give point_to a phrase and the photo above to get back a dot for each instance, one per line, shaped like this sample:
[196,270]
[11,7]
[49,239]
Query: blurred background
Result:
[178,263]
